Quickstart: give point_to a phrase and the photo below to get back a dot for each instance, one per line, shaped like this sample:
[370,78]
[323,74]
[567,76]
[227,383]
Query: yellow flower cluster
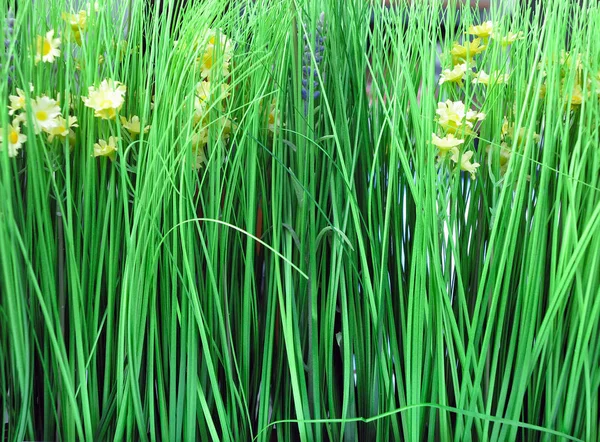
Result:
[217,49]
[509,136]
[211,93]
[45,114]
[463,56]
[580,89]
[77,24]
[457,122]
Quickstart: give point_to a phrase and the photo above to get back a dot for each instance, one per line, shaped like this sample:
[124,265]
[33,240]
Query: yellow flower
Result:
[14,140]
[455,75]
[17,102]
[47,48]
[63,129]
[107,99]
[483,30]
[447,144]
[204,93]
[200,110]
[474,116]
[567,59]
[465,162]
[504,155]
[216,50]
[467,52]
[577,96]
[207,97]
[133,126]
[509,130]
[45,113]
[77,23]
[509,38]
[494,78]
[104,149]
[453,119]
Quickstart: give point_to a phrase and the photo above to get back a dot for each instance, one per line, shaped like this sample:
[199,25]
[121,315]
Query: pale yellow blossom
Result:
[45,113]
[452,117]
[63,128]
[466,52]
[106,149]
[107,99]
[134,126]
[449,143]
[14,141]
[483,31]
[17,102]
[494,78]
[465,162]
[508,39]
[454,75]
[47,48]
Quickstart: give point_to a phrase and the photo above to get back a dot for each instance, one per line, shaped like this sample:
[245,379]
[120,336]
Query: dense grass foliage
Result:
[272,220]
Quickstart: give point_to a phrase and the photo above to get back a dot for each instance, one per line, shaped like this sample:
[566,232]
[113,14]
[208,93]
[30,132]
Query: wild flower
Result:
[468,51]
[107,99]
[455,75]
[205,93]
[77,24]
[508,39]
[452,117]
[576,97]
[45,113]
[483,31]
[449,143]
[14,140]
[504,154]
[474,116]
[47,48]
[493,78]
[17,102]
[509,133]
[465,162]
[217,49]
[64,129]
[134,126]
[106,149]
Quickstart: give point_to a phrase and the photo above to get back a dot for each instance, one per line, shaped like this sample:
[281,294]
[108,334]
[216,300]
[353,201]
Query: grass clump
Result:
[281,221]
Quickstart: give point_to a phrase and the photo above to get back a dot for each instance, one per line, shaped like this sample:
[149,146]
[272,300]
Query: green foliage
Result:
[313,268]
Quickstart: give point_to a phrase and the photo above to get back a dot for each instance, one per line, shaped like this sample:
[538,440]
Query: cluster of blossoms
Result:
[457,123]
[310,74]
[45,114]
[576,85]
[509,136]
[463,56]
[106,101]
[211,93]
[77,25]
